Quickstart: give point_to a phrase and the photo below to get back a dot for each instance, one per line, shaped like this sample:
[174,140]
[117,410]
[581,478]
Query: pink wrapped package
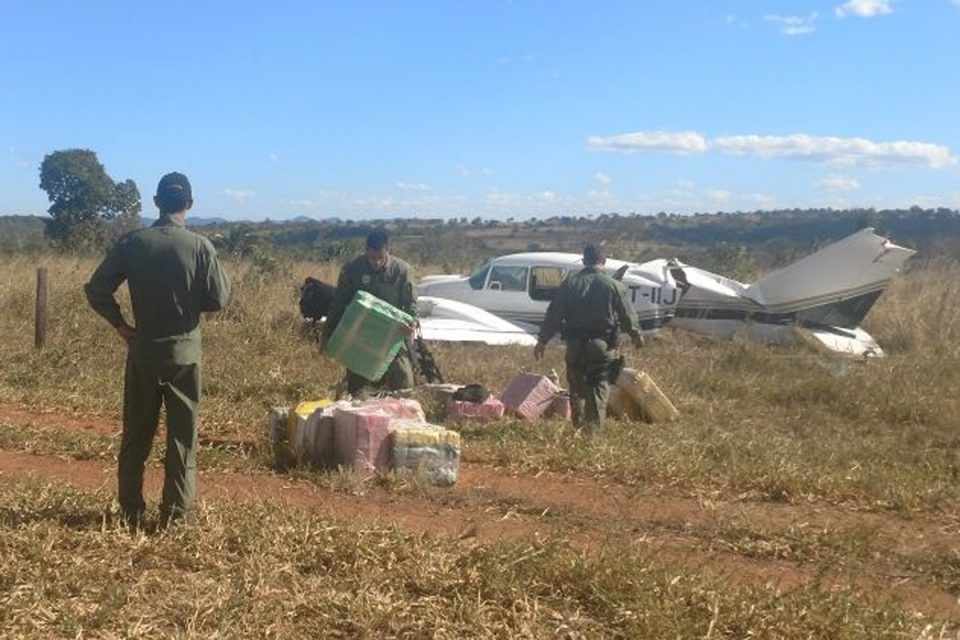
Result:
[360,439]
[559,408]
[399,408]
[490,409]
[529,395]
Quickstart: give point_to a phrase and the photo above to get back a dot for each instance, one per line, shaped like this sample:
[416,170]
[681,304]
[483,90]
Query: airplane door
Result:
[506,294]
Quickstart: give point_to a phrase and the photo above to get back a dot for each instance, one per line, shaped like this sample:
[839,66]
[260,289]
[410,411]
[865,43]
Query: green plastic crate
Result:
[369,336]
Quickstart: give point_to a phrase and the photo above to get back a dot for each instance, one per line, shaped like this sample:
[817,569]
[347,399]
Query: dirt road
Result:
[752,542]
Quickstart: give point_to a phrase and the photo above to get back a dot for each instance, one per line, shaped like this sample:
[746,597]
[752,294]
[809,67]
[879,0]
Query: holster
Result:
[616,367]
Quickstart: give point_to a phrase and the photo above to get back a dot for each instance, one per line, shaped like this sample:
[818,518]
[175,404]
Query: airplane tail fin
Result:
[835,286]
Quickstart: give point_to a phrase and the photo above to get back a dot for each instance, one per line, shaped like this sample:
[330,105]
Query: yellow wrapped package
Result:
[642,390]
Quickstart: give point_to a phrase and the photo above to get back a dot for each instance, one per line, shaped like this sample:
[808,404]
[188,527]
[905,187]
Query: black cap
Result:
[594,253]
[174,185]
[174,193]
[378,239]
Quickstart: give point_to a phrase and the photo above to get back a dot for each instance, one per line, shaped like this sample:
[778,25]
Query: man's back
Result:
[590,302]
[173,275]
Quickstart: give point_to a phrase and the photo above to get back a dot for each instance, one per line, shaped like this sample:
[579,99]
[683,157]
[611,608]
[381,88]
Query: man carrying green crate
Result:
[173,275]
[387,277]
[591,308]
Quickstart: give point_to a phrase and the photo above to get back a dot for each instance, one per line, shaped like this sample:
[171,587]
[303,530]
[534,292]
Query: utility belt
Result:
[610,336]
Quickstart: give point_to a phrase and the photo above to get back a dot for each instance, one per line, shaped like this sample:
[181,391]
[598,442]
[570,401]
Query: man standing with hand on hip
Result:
[591,308]
[173,275]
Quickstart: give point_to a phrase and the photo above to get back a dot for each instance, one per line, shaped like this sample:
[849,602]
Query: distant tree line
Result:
[89,209]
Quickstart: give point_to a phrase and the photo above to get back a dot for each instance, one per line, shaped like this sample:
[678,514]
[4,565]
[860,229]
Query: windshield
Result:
[478,277]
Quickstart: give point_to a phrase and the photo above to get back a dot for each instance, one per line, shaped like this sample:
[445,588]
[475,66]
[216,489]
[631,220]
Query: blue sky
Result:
[497,109]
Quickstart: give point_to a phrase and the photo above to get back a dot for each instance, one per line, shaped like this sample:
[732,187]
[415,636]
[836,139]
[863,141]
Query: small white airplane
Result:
[821,299]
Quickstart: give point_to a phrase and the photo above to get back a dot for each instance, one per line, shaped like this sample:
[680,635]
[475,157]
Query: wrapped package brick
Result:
[398,408]
[490,409]
[369,336]
[529,396]
[360,439]
[430,451]
[642,390]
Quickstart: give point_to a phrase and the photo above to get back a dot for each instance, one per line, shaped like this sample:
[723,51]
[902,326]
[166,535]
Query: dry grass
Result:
[776,424]
[759,425]
[262,572]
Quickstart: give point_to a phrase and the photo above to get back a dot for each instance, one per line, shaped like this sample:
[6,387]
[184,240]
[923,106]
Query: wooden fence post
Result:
[40,315]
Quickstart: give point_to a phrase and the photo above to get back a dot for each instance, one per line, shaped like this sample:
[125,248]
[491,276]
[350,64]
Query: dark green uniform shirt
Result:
[592,304]
[391,284]
[173,275]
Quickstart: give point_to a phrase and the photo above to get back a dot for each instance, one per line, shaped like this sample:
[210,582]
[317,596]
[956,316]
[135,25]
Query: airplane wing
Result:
[443,320]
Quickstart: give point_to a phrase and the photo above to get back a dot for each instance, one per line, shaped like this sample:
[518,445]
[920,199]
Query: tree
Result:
[88,209]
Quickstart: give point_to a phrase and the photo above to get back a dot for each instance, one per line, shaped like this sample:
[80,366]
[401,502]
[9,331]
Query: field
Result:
[799,496]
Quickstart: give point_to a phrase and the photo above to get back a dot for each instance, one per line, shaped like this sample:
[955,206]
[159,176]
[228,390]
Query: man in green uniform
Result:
[173,275]
[387,277]
[591,308]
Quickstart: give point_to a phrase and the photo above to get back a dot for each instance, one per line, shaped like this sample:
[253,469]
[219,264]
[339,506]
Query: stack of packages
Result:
[635,395]
[532,397]
[374,436]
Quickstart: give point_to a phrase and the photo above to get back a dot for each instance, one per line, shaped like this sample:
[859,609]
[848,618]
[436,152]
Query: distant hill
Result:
[770,237]
[192,221]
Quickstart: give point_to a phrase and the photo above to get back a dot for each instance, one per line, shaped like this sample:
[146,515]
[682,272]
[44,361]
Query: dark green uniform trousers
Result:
[399,375]
[588,370]
[148,386]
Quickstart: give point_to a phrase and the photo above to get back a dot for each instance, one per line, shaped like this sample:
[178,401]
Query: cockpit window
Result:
[509,278]
[479,277]
[544,282]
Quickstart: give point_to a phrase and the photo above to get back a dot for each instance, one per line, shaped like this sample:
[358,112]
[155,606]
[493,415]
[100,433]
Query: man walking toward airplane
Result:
[591,308]
[387,277]
[173,275]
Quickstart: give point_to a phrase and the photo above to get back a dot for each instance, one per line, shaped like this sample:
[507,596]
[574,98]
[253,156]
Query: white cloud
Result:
[794,25]
[798,146]
[412,186]
[763,200]
[595,194]
[602,178]
[675,142]
[273,157]
[719,196]
[240,196]
[549,196]
[845,151]
[838,183]
[465,172]
[865,8]
[304,204]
